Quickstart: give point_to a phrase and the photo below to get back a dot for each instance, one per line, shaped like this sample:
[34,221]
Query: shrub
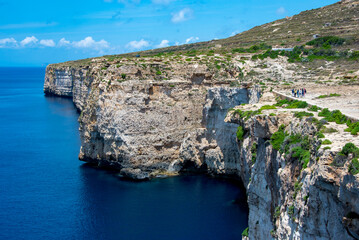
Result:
[326,142]
[245,232]
[303,114]
[158,72]
[334,116]
[240,133]
[350,148]
[267,107]
[302,155]
[278,137]
[328,40]
[320,135]
[123,76]
[291,210]
[254,152]
[354,166]
[353,128]
[314,108]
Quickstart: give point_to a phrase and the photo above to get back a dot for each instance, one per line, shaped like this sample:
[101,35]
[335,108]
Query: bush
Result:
[350,148]
[354,166]
[267,107]
[325,41]
[320,135]
[240,133]
[353,128]
[278,137]
[302,155]
[123,76]
[158,72]
[334,116]
[245,232]
[303,114]
[254,152]
[326,142]
[314,108]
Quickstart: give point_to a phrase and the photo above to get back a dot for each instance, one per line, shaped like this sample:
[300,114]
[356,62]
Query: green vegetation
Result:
[302,154]
[245,232]
[158,72]
[327,148]
[326,142]
[254,152]
[314,108]
[334,116]
[291,210]
[297,188]
[330,95]
[123,76]
[303,114]
[276,212]
[353,128]
[252,49]
[324,129]
[326,41]
[240,133]
[350,148]
[291,104]
[267,107]
[320,135]
[354,166]
[278,137]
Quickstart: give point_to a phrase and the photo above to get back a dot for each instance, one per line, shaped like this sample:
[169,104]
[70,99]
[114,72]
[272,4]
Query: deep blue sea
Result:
[47,193]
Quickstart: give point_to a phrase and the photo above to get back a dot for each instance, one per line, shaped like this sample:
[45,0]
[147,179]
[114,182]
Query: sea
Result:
[47,193]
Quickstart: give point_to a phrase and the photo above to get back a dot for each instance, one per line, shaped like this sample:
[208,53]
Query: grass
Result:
[330,95]
[320,135]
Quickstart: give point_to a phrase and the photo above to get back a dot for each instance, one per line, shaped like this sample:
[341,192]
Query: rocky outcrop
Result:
[286,199]
[152,127]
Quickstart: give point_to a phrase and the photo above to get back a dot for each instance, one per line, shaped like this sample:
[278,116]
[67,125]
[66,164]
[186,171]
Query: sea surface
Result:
[47,193]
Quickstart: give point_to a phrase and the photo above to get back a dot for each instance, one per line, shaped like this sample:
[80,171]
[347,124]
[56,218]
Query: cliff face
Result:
[147,127]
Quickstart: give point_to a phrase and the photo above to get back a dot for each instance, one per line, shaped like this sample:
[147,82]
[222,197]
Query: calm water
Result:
[46,193]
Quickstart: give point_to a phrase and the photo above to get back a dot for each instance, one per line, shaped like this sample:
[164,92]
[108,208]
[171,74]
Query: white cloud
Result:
[88,42]
[183,15]
[29,41]
[192,39]
[137,44]
[164,43]
[281,11]
[63,42]
[8,42]
[47,42]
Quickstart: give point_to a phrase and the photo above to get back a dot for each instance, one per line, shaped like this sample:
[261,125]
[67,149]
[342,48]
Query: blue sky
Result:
[39,32]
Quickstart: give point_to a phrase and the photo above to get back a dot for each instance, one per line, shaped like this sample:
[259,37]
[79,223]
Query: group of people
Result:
[299,92]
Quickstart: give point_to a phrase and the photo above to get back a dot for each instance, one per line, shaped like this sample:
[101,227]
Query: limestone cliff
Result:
[139,122]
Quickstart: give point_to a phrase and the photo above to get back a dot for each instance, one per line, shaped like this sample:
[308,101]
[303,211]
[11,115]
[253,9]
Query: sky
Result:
[39,32]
